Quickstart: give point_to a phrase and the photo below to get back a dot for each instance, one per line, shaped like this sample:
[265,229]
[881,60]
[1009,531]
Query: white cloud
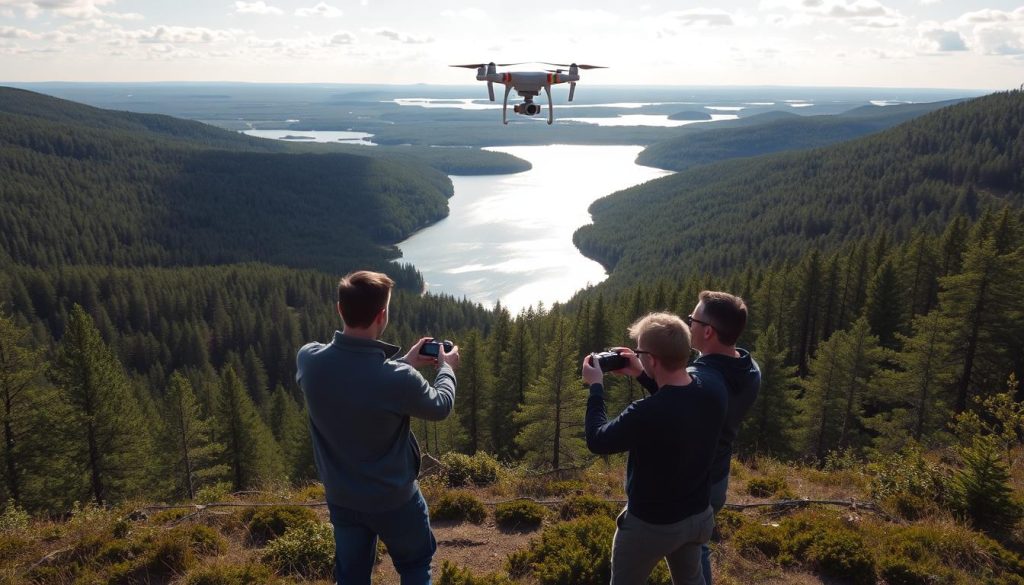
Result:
[322,9]
[68,8]
[997,40]
[941,40]
[258,7]
[180,35]
[857,13]
[343,38]
[9,32]
[583,18]
[465,14]
[393,35]
[701,17]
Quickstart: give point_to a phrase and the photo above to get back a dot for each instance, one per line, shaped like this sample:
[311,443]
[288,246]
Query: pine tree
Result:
[193,455]
[769,428]
[289,425]
[806,309]
[885,305]
[29,411]
[107,425]
[475,388]
[552,415]
[251,454]
[515,374]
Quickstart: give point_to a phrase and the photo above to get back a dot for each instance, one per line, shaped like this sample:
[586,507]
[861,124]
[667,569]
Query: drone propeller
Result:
[578,66]
[478,65]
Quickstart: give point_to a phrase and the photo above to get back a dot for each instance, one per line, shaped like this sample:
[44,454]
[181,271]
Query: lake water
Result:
[509,237]
[336,136]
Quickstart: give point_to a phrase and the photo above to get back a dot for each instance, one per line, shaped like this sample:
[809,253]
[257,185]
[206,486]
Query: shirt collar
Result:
[347,341]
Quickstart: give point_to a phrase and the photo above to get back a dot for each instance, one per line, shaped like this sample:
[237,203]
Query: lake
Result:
[509,237]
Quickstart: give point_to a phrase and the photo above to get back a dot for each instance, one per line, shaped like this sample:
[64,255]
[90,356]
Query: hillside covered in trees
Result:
[775,132]
[722,216]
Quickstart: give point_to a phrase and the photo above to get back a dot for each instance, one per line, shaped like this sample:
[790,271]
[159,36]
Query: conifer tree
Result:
[806,309]
[27,409]
[289,425]
[475,387]
[837,387]
[107,425]
[516,373]
[769,428]
[193,455]
[552,416]
[884,309]
[251,454]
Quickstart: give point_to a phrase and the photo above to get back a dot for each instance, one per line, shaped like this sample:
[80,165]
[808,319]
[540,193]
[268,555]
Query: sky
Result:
[969,44]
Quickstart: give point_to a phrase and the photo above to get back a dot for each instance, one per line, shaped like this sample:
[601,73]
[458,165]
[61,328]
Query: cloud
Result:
[322,9]
[398,37]
[465,15]
[343,38]
[68,8]
[699,17]
[993,32]
[259,7]
[9,32]
[856,13]
[583,18]
[942,40]
[180,35]
[1000,40]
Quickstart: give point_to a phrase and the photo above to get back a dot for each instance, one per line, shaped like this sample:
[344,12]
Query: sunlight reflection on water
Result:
[509,237]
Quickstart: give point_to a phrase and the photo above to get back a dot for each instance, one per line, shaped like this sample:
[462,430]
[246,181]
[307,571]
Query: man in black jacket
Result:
[671,437]
[715,325]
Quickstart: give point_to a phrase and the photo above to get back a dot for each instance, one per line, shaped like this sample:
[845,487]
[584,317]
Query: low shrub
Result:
[171,515]
[766,487]
[759,540]
[13,519]
[579,506]
[306,550]
[907,484]
[902,571]
[12,545]
[452,574]
[269,522]
[576,552]
[727,522]
[842,555]
[458,507]
[313,492]
[461,470]
[202,539]
[520,515]
[249,574]
[217,492]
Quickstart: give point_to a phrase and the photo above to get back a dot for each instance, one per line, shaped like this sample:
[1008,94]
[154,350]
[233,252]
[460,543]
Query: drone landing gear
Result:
[528,107]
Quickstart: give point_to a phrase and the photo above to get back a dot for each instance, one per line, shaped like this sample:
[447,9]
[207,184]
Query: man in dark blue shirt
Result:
[671,438]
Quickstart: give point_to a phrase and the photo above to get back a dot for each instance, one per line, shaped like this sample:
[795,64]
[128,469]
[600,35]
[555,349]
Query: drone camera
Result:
[527,109]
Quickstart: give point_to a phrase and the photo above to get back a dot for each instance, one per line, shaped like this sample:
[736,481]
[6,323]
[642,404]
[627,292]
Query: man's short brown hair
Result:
[666,336]
[362,295]
[727,314]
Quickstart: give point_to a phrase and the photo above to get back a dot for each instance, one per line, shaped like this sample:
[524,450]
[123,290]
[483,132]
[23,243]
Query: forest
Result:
[873,339]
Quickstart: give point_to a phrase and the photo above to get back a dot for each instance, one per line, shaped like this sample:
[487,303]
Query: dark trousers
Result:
[718,493]
[405,531]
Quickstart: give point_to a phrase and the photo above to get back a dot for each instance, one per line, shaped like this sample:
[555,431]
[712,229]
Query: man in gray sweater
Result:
[360,400]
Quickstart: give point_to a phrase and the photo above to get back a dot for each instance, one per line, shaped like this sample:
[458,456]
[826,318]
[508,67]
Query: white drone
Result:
[528,84]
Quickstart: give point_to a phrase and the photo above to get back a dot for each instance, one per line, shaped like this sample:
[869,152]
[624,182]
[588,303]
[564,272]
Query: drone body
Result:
[528,84]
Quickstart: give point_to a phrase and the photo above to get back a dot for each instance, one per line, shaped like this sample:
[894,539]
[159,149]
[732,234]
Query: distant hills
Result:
[758,210]
[775,132]
[81,185]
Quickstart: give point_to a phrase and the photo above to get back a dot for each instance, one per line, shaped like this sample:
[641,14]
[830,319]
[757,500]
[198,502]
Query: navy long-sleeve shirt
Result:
[671,438]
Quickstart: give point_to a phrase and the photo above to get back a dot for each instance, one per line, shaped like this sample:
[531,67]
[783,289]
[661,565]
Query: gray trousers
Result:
[638,546]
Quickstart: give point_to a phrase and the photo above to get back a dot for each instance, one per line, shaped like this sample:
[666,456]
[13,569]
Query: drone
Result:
[528,84]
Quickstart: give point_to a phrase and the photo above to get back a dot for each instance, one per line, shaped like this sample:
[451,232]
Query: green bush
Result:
[452,574]
[902,571]
[577,552]
[217,492]
[171,515]
[266,523]
[842,555]
[458,507]
[13,519]
[250,574]
[520,515]
[906,483]
[982,490]
[306,550]
[759,539]
[202,539]
[461,470]
[579,506]
[765,487]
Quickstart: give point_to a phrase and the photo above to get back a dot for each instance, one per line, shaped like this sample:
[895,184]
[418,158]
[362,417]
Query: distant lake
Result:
[509,237]
[336,136]
[648,120]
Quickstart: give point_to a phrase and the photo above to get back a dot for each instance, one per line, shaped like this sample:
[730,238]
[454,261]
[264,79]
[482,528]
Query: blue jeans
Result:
[718,492]
[405,531]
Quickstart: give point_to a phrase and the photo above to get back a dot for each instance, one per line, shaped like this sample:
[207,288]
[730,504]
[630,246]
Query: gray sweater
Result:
[359,402]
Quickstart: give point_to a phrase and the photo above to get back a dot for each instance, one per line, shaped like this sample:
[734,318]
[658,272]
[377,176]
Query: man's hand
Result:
[634,368]
[451,357]
[415,359]
[592,374]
